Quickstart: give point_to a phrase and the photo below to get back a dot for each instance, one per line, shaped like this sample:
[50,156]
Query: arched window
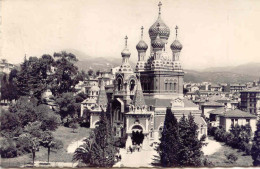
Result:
[132,85]
[170,86]
[175,87]
[165,87]
[119,83]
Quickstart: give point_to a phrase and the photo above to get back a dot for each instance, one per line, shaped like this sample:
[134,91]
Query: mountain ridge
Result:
[227,74]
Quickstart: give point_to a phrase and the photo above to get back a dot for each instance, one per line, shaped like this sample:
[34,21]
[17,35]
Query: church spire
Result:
[138,100]
[102,97]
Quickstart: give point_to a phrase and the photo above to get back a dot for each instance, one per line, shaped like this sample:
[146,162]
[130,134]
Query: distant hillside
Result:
[245,69]
[217,77]
[237,74]
[96,63]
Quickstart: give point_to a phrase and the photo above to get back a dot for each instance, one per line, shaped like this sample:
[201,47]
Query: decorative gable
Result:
[177,103]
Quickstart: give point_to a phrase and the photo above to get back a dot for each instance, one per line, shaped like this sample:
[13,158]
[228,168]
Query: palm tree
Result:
[83,153]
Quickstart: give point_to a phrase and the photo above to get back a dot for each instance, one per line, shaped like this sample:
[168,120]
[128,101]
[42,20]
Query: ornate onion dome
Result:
[164,31]
[158,43]
[126,51]
[176,45]
[142,45]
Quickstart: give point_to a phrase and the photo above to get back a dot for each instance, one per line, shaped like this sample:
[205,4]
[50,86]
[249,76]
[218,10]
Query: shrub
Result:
[74,126]
[8,148]
[232,158]
[248,148]
[207,163]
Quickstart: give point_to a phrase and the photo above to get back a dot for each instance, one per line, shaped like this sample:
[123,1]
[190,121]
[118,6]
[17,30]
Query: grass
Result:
[65,135]
[219,158]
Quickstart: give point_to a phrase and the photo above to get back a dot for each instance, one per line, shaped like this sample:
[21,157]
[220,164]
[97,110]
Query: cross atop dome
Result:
[176,28]
[160,4]
[126,41]
[142,32]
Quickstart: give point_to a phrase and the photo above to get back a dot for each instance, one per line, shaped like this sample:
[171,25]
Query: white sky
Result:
[213,32]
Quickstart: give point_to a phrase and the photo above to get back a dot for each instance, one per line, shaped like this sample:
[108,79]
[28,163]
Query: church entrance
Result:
[137,135]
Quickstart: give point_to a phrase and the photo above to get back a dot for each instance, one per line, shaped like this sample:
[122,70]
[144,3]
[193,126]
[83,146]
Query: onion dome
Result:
[176,45]
[126,51]
[158,43]
[164,31]
[142,45]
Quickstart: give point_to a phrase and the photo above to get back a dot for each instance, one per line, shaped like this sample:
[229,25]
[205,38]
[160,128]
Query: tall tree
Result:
[255,152]
[169,141]
[33,78]
[67,105]
[190,146]
[66,75]
[103,150]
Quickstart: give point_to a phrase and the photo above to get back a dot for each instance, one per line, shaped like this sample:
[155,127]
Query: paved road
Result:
[144,158]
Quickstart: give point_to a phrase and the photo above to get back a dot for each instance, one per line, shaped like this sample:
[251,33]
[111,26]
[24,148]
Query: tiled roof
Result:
[237,113]
[212,103]
[217,111]
[189,103]
[138,100]
[158,102]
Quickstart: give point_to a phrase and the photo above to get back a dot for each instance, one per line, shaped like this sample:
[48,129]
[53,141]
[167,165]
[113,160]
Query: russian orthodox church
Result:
[141,95]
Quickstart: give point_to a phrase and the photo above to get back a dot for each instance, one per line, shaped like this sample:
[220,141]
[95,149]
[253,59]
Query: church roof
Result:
[138,100]
[189,103]
[158,102]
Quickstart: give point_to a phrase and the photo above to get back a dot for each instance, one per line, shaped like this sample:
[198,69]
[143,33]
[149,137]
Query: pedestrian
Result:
[131,150]
[120,157]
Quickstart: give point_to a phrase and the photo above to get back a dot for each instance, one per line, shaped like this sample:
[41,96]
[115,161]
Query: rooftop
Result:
[253,89]
[237,113]
[213,103]
[217,111]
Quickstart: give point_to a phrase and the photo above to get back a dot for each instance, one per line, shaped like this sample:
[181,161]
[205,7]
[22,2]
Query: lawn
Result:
[219,158]
[63,133]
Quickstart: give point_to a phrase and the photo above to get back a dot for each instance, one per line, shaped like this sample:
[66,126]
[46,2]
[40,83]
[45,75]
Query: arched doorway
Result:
[137,135]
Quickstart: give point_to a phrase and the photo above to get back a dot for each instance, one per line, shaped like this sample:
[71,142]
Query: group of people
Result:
[118,157]
[133,148]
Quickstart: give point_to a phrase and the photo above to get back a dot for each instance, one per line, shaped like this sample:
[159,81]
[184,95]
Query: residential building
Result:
[250,101]
[232,117]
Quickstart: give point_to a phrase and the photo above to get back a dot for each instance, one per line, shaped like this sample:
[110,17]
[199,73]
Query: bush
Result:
[238,137]
[8,149]
[248,148]
[74,126]
[23,145]
[120,142]
[207,163]
[232,158]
